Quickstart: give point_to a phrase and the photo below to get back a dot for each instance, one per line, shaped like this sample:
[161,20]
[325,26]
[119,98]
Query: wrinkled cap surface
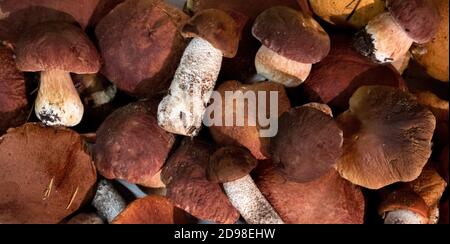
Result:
[292,34]
[56,46]
[229,164]
[404,200]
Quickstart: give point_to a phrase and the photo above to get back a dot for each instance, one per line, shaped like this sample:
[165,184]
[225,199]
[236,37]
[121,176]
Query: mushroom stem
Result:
[383,40]
[249,201]
[99,92]
[108,202]
[280,69]
[403,216]
[58,102]
[181,111]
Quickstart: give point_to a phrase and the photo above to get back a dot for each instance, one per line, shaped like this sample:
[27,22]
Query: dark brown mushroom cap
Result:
[85,219]
[292,34]
[45,174]
[307,145]
[216,27]
[418,18]
[13,94]
[229,164]
[151,210]
[131,146]
[56,46]
[189,189]
[404,200]
[387,137]
[327,200]
[141,45]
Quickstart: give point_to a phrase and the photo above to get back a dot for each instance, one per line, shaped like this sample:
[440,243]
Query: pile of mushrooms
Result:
[117,112]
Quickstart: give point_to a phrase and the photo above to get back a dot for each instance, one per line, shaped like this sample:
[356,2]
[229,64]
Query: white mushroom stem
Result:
[108,202]
[181,111]
[279,69]
[403,216]
[98,93]
[390,42]
[249,201]
[133,188]
[58,102]
[401,64]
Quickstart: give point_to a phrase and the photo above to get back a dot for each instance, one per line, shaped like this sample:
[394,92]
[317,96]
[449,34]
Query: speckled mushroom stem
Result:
[403,216]
[108,202]
[58,102]
[181,111]
[249,201]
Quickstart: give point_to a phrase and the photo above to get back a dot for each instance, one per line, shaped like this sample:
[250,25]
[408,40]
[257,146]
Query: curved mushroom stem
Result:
[383,40]
[181,112]
[108,202]
[249,201]
[403,216]
[58,102]
[280,69]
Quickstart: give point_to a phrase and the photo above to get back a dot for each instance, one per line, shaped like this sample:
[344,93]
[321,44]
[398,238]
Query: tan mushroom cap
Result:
[57,46]
[387,137]
[189,189]
[229,164]
[404,200]
[327,200]
[216,27]
[151,210]
[45,174]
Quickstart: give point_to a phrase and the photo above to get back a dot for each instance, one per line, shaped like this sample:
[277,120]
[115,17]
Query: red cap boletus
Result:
[308,144]
[189,189]
[141,45]
[45,174]
[292,41]
[229,164]
[387,137]
[327,200]
[151,210]
[131,146]
[57,49]
[85,219]
[13,92]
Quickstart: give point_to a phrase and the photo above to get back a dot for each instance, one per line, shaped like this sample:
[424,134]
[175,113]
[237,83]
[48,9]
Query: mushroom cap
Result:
[292,34]
[327,200]
[141,45]
[429,186]
[45,174]
[188,188]
[151,210]
[308,144]
[56,46]
[86,219]
[229,164]
[131,146]
[13,94]
[216,27]
[418,18]
[404,200]
[387,137]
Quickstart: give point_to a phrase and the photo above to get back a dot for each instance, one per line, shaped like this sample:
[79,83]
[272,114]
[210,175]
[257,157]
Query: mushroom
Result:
[151,210]
[434,54]
[231,167]
[107,201]
[131,146]
[387,137]
[292,42]
[308,144]
[86,219]
[402,63]
[248,135]
[55,49]
[389,36]
[13,92]
[327,200]
[153,47]
[215,34]
[45,174]
[188,188]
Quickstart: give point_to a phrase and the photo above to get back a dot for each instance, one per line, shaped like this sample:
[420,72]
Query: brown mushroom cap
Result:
[404,200]
[418,18]
[141,45]
[216,27]
[131,146]
[387,137]
[45,174]
[56,46]
[327,200]
[189,189]
[229,164]
[292,34]
[151,210]
[13,94]
[307,145]
[85,219]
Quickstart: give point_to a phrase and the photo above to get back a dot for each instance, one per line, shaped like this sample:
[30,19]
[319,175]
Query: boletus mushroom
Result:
[45,174]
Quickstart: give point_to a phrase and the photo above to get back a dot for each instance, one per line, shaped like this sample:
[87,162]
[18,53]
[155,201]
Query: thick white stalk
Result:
[108,202]
[402,216]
